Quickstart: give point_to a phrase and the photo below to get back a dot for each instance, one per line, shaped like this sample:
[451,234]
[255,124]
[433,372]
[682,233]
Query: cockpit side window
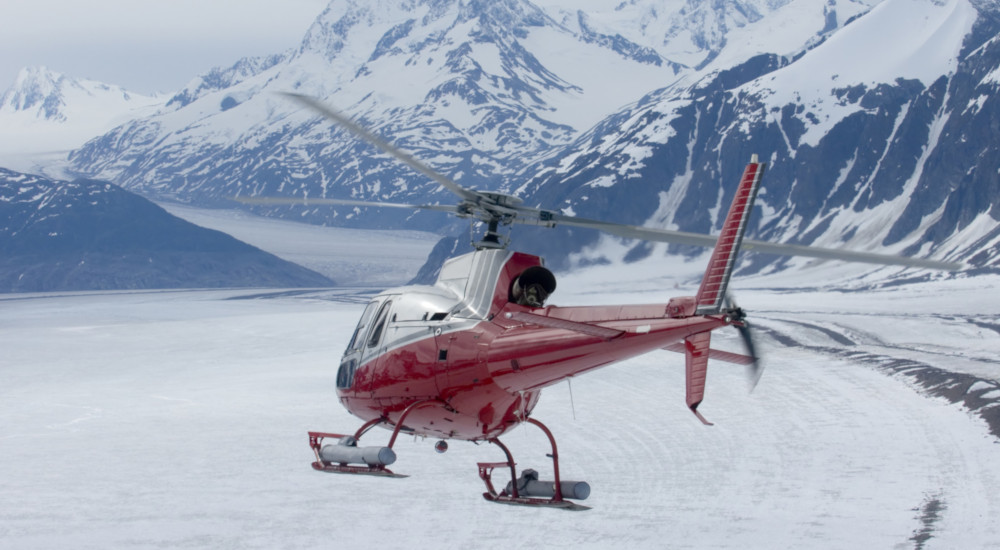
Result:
[378,327]
[345,374]
[358,338]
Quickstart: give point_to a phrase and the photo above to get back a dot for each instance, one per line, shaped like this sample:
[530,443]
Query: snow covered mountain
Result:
[870,113]
[92,235]
[478,89]
[882,138]
[46,114]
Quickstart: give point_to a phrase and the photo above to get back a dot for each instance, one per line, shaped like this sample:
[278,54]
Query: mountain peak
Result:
[45,111]
[354,29]
[341,23]
[36,87]
[45,92]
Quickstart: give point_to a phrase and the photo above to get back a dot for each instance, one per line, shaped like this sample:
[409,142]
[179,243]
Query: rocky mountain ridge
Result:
[877,118]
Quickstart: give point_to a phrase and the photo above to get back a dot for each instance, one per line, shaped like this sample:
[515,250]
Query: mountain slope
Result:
[479,90]
[894,155]
[869,114]
[90,235]
[45,112]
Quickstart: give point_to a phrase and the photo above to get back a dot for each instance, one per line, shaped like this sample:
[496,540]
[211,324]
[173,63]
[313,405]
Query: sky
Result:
[143,45]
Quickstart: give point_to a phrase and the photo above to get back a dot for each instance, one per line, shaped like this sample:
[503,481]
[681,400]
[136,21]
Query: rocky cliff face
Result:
[857,158]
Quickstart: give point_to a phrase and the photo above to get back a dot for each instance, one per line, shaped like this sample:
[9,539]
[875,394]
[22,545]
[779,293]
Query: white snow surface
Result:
[179,419]
[897,39]
[348,256]
[916,39]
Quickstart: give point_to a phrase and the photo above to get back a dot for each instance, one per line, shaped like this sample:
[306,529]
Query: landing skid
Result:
[524,501]
[524,491]
[486,472]
[346,457]
[323,466]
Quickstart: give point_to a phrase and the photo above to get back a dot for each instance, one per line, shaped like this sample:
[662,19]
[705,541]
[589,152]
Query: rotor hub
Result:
[501,199]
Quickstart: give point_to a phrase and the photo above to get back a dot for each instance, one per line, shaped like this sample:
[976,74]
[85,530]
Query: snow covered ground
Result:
[179,419]
[348,256]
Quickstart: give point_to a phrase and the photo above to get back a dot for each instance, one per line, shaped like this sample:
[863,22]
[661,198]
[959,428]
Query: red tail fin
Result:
[696,369]
[716,279]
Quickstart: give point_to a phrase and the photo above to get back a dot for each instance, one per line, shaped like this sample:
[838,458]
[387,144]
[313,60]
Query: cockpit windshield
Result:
[358,339]
[376,333]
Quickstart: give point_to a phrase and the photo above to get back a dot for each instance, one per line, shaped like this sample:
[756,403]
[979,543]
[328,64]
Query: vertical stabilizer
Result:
[696,351]
[713,286]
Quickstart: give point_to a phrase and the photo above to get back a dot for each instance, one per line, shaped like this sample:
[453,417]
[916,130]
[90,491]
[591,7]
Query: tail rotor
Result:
[754,369]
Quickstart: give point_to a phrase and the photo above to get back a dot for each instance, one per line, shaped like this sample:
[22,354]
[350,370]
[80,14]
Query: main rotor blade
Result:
[521,214]
[697,239]
[847,255]
[345,202]
[385,146]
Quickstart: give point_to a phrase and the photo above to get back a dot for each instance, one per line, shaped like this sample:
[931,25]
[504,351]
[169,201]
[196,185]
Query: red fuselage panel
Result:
[487,378]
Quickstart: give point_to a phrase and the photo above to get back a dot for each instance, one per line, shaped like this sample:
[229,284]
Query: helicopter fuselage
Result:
[467,357]
[478,358]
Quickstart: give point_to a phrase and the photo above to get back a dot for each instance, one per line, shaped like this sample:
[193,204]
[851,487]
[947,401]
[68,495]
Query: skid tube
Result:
[514,497]
[316,442]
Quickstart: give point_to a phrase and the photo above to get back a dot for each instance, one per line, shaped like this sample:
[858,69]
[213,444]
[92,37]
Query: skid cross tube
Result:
[513,470]
[367,426]
[555,458]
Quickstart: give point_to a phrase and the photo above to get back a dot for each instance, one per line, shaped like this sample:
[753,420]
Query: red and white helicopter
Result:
[467,358]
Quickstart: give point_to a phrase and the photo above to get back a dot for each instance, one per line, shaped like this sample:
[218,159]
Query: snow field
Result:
[349,256]
[179,419]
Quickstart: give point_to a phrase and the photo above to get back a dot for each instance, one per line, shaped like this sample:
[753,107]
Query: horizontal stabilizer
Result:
[717,354]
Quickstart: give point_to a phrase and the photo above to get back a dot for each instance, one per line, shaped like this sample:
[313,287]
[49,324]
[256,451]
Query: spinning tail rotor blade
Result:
[754,369]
